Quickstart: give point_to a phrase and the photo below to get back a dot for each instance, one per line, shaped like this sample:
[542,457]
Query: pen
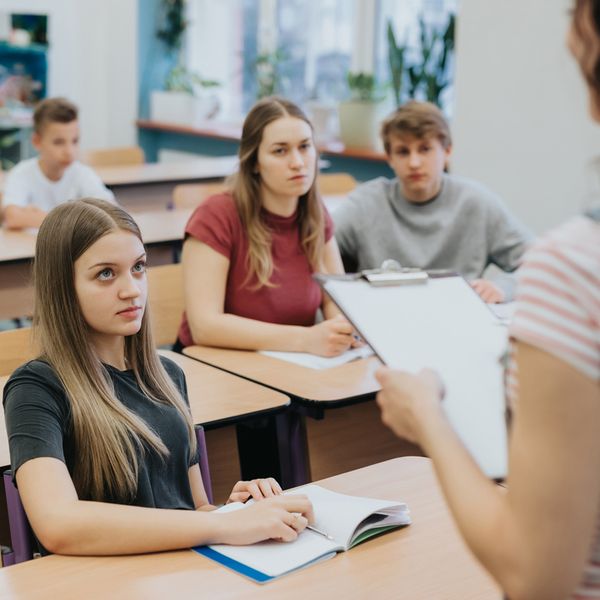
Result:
[323,533]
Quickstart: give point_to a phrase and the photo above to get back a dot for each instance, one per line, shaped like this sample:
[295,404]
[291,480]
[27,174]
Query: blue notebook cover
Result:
[232,564]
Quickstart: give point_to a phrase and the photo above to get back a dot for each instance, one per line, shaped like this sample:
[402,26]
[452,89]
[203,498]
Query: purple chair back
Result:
[22,538]
[204,469]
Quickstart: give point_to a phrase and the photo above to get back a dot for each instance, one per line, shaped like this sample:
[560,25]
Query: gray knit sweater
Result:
[464,228]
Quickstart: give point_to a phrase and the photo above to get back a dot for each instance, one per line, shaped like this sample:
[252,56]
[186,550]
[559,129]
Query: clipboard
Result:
[437,322]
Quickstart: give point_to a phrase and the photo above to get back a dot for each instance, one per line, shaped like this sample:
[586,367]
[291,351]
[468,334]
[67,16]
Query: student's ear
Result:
[448,152]
[388,159]
[35,140]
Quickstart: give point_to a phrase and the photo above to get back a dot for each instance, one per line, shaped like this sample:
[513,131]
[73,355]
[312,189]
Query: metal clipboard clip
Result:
[404,276]
[390,274]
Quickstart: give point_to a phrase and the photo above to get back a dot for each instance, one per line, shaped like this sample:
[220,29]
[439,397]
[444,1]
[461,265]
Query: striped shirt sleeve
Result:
[558,296]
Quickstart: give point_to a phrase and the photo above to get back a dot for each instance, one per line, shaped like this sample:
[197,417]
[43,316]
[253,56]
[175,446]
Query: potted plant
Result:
[187,98]
[361,115]
[396,61]
[428,75]
[268,72]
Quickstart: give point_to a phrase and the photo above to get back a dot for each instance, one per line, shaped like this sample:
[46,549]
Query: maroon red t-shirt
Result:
[295,297]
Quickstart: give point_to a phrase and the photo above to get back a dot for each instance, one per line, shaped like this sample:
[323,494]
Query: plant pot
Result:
[360,122]
[325,121]
[182,108]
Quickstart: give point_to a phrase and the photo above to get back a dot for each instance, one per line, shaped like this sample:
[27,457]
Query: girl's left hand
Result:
[409,402]
[257,489]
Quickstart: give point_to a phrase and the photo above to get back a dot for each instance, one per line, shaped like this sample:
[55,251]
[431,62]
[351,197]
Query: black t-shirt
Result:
[39,424]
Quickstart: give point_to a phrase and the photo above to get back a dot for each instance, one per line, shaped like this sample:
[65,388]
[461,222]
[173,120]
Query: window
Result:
[301,49]
[316,39]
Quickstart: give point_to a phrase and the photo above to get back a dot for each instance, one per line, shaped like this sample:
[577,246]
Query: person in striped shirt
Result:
[539,537]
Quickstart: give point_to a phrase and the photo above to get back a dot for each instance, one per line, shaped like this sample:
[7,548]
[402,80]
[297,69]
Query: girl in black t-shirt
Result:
[102,443]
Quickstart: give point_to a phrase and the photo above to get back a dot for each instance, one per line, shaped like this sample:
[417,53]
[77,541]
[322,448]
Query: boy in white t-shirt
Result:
[35,186]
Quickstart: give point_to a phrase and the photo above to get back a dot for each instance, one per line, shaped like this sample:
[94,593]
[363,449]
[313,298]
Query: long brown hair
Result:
[586,28]
[247,194]
[108,436]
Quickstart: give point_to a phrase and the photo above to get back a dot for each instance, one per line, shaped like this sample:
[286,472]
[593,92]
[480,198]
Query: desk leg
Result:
[293,448]
[275,446]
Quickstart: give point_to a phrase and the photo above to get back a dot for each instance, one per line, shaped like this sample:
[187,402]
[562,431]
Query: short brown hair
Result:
[53,110]
[417,119]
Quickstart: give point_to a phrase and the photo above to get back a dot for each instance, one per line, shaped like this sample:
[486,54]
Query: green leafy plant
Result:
[427,76]
[7,141]
[181,79]
[437,79]
[268,73]
[364,88]
[174,23]
[396,60]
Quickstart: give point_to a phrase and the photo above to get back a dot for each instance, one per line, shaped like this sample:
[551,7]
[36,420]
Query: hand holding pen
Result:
[258,489]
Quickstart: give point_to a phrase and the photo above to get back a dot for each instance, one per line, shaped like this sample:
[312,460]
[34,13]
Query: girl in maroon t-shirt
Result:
[249,255]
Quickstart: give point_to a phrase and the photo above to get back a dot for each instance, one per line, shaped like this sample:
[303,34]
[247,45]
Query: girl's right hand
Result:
[329,338]
[279,518]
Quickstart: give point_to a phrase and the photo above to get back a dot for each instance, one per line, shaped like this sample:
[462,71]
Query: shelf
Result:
[232,132]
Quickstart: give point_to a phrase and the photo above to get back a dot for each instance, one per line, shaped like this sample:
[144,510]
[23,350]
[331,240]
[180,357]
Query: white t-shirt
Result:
[26,185]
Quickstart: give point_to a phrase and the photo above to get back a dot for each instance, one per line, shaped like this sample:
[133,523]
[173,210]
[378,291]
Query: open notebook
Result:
[312,361]
[349,520]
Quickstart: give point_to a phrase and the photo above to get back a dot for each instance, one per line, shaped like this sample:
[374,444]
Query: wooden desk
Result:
[332,441]
[218,398]
[424,561]
[327,387]
[244,424]
[160,230]
[150,185]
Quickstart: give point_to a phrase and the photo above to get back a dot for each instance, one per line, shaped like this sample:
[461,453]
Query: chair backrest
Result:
[165,294]
[113,157]
[16,348]
[336,183]
[190,195]
[22,538]
[204,468]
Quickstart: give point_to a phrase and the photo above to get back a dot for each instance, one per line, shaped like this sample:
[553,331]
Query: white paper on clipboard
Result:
[442,325]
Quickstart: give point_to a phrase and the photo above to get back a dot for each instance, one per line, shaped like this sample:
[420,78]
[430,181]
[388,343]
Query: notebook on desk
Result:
[442,324]
[312,361]
[348,520]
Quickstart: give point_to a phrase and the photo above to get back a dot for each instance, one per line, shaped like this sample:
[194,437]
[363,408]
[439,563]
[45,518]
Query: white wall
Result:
[520,121]
[92,61]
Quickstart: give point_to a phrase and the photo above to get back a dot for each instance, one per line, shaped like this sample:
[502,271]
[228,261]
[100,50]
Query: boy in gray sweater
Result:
[425,217]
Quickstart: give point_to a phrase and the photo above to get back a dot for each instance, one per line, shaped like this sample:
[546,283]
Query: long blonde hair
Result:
[247,195]
[108,436]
